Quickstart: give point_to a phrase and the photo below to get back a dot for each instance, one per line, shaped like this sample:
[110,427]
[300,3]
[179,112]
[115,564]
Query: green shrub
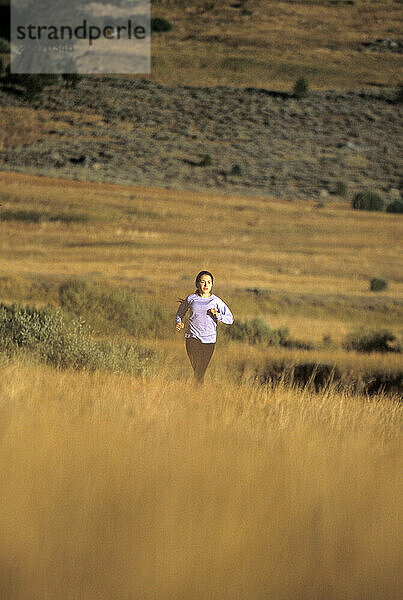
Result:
[44,335]
[112,309]
[367,200]
[236,170]
[206,161]
[378,284]
[160,24]
[300,88]
[371,341]
[395,207]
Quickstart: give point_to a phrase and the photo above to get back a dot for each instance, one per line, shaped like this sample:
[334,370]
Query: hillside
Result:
[234,140]
[342,44]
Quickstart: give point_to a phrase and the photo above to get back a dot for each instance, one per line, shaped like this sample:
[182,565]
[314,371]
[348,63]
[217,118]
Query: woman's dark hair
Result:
[198,277]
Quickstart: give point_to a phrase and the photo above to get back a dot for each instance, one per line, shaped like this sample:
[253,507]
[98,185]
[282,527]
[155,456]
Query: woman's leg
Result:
[199,355]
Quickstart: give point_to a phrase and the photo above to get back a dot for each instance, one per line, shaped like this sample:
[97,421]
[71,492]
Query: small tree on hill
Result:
[300,88]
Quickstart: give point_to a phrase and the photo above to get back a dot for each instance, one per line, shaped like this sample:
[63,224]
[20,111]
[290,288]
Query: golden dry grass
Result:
[155,238]
[114,487]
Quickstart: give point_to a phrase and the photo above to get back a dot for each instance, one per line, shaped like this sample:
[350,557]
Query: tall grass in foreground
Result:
[126,488]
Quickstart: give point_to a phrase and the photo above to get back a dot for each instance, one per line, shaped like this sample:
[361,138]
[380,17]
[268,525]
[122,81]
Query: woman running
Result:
[205,310]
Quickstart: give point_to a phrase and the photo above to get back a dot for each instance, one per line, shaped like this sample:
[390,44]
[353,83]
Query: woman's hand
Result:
[179,326]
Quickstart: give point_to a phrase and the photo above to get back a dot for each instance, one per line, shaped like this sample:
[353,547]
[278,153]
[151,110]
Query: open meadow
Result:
[132,483]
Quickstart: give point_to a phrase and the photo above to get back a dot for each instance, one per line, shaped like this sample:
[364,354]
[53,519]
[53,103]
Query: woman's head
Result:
[204,282]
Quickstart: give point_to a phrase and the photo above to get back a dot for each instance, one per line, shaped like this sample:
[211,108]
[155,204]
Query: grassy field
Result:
[116,486]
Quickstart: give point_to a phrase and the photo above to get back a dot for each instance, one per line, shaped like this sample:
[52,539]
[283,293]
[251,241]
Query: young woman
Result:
[205,311]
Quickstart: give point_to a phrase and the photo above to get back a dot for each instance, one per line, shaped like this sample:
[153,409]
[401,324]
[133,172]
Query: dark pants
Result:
[199,355]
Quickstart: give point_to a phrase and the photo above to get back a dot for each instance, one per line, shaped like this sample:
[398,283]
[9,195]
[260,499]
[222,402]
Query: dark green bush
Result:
[206,161]
[113,310]
[378,284]
[395,207]
[367,200]
[300,88]
[44,335]
[372,341]
[236,170]
[160,24]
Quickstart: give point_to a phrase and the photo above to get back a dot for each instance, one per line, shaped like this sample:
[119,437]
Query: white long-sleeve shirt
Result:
[202,324]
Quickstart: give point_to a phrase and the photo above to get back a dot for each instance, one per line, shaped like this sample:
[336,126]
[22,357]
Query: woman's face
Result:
[205,284]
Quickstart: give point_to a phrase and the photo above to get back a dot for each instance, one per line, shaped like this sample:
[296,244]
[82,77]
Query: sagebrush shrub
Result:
[367,200]
[44,335]
[300,88]
[256,331]
[206,161]
[378,284]
[160,24]
[371,341]
[113,309]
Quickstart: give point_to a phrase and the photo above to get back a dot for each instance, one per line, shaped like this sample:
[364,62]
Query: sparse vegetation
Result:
[34,216]
[367,200]
[256,331]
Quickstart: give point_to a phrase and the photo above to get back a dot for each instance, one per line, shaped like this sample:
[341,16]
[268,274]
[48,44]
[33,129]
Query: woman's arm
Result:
[224,314]
[180,313]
